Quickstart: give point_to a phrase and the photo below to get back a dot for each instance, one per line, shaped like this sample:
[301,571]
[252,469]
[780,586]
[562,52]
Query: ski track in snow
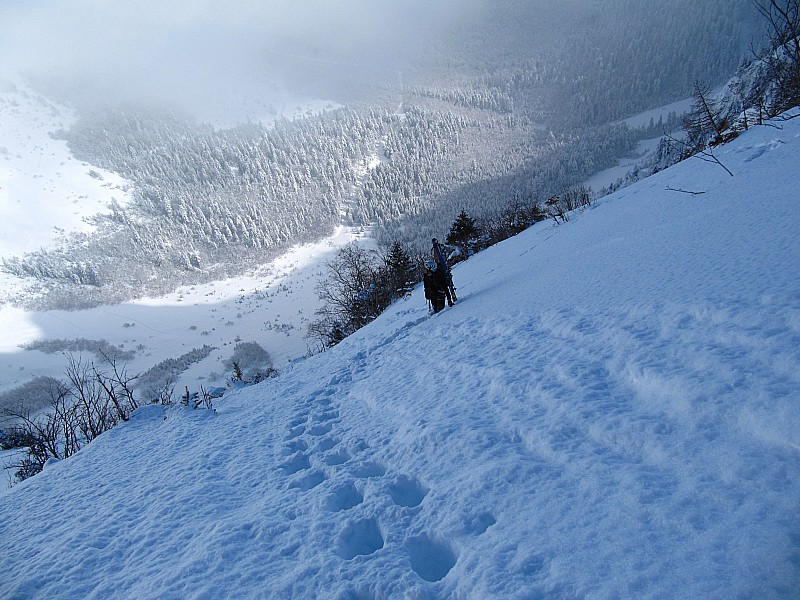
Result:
[609,412]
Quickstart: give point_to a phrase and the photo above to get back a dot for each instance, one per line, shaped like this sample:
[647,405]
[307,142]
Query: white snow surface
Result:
[45,193]
[610,411]
[272,307]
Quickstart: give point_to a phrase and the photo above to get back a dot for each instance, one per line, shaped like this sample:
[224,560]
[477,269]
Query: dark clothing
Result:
[436,289]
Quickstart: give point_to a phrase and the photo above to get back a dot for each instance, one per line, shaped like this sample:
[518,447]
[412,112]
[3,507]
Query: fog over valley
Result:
[205,56]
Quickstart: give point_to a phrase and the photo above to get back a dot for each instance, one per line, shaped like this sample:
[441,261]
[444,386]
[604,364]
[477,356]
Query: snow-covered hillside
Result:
[45,194]
[271,307]
[610,411]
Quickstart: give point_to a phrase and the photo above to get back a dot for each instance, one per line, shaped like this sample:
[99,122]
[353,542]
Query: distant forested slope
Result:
[519,101]
[594,62]
[207,203]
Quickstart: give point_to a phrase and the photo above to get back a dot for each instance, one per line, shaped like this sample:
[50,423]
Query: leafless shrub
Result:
[90,401]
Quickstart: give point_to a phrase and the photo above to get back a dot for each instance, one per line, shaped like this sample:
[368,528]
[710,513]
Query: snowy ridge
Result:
[609,412]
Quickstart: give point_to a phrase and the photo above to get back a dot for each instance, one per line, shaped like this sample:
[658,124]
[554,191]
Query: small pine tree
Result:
[238,374]
[464,234]
[400,271]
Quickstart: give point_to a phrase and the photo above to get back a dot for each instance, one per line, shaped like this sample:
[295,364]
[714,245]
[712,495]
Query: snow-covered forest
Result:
[489,117]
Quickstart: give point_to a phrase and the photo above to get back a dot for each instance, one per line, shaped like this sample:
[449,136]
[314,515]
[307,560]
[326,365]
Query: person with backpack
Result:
[441,261]
[434,280]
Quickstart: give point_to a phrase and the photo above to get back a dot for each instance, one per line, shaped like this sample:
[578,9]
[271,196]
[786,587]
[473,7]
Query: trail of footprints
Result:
[313,451]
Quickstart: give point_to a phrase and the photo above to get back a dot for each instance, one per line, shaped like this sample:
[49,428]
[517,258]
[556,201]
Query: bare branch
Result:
[672,189]
[709,156]
[706,154]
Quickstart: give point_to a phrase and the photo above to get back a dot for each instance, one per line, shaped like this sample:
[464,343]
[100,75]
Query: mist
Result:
[230,62]
[204,55]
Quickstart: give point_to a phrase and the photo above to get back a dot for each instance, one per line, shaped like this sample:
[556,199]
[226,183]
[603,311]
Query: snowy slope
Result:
[45,193]
[611,411]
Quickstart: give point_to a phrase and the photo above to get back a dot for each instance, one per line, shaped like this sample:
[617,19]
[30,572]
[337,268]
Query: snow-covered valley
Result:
[610,411]
[271,306]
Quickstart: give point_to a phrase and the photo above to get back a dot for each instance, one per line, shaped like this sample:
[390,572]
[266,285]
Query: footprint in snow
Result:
[298,462]
[337,458]
[326,416]
[368,469]
[308,481]
[295,445]
[326,444]
[344,497]
[406,491]
[761,149]
[323,397]
[431,558]
[296,431]
[299,420]
[478,524]
[339,378]
[359,538]
[320,429]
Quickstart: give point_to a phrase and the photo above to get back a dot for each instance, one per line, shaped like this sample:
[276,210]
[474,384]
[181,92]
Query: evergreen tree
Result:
[464,234]
[400,271]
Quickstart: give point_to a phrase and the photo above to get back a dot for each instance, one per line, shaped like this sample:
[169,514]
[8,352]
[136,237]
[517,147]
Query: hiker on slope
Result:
[435,281]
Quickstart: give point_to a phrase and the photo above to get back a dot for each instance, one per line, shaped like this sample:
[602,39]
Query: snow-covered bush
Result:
[100,348]
[250,363]
[32,395]
[158,383]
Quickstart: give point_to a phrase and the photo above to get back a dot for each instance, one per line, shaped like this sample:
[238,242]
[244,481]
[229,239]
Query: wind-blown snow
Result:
[610,411]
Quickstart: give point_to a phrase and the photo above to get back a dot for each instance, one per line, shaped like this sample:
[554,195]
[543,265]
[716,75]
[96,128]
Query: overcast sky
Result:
[184,49]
